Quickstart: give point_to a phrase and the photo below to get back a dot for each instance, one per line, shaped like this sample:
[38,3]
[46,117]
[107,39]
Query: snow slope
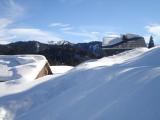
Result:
[121,87]
[20,67]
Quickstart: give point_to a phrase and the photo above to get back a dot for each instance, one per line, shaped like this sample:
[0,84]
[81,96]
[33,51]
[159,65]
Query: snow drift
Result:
[121,87]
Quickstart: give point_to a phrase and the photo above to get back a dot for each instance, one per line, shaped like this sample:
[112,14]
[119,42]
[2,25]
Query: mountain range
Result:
[57,53]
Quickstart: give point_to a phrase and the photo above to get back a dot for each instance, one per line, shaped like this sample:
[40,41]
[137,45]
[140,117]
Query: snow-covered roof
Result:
[111,40]
[20,67]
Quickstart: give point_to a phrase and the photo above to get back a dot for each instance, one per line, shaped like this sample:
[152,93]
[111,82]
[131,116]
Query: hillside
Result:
[120,87]
[60,53]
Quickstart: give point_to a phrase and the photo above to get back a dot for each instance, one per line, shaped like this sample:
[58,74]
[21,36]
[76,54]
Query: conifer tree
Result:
[151,42]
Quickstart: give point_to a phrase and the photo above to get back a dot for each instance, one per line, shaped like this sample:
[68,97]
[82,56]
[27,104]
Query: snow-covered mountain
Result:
[62,42]
[120,87]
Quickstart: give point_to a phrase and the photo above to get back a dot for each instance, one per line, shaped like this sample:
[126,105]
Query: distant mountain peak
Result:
[61,42]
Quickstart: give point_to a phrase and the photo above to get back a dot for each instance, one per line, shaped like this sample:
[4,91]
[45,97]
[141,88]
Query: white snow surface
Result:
[20,67]
[120,87]
[60,69]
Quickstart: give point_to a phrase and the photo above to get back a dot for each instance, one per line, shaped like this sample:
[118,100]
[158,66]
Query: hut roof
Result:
[21,67]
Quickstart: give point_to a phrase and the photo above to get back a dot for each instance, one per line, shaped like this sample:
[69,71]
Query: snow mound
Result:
[121,87]
[20,67]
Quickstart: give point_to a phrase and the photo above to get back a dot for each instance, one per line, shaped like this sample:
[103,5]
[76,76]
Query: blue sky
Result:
[77,20]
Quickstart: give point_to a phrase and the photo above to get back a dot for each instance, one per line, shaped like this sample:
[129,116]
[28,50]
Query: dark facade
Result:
[124,45]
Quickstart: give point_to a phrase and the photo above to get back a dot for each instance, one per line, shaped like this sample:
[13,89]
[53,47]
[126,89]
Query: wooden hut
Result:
[46,70]
[115,45]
